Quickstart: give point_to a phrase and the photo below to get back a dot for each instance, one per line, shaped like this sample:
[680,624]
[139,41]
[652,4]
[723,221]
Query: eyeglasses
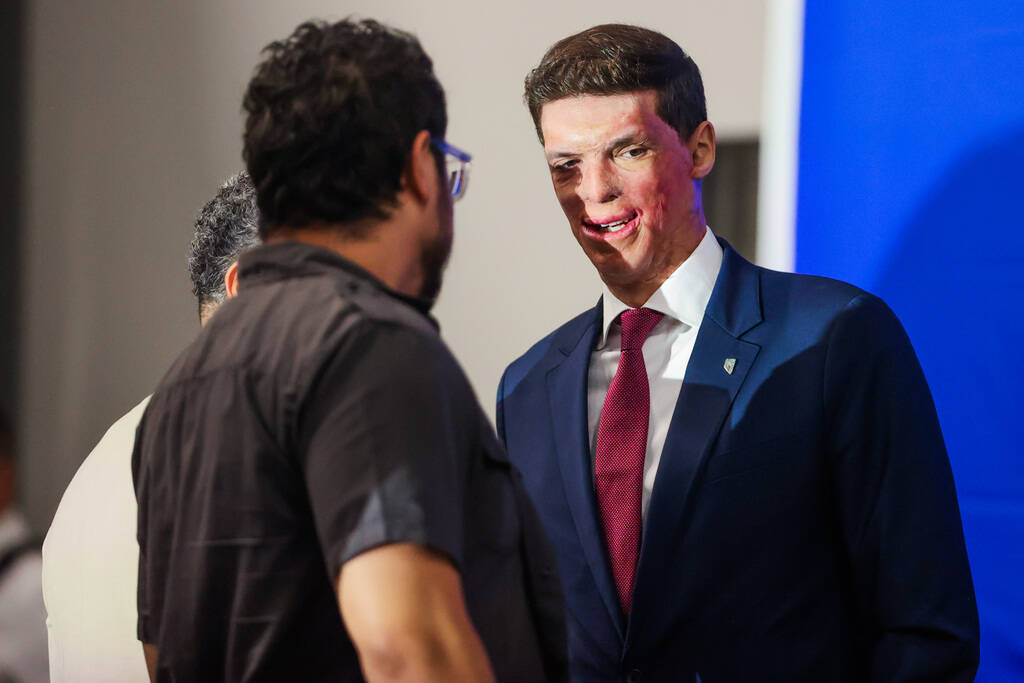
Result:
[456,166]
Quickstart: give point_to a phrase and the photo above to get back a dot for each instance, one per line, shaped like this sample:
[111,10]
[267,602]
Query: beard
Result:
[434,253]
[433,259]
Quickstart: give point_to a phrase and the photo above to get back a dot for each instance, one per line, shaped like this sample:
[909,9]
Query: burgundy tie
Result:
[621,446]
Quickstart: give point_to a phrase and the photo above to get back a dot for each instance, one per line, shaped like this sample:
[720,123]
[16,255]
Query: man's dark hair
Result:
[332,112]
[227,226]
[612,59]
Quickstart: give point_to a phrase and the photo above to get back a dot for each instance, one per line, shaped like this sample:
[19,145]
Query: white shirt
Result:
[22,634]
[682,298]
[91,565]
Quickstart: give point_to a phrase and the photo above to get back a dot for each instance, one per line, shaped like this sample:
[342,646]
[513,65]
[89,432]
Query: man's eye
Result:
[565,166]
[634,152]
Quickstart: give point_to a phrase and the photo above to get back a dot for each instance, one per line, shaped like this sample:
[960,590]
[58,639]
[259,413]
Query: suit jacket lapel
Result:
[567,395]
[716,370]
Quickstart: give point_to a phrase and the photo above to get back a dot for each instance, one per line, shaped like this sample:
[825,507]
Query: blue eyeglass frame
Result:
[458,181]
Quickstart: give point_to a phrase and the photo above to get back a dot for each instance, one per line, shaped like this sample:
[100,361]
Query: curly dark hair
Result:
[613,59]
[332,112]
[227,226]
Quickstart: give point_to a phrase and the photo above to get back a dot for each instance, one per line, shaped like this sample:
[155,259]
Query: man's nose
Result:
[598,184]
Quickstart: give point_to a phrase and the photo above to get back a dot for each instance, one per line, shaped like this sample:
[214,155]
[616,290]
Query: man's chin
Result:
[613,267]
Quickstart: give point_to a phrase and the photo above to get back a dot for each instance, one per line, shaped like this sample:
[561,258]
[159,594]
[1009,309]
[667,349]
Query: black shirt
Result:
[319,415]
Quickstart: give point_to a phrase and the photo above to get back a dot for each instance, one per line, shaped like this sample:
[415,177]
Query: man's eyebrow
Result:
[636,138]
[557,154]
[631,138]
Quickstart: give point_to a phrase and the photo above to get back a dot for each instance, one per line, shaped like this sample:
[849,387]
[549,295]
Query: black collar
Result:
[284,260]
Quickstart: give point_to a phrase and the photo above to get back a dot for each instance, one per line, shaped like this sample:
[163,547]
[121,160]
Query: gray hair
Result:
[227,226]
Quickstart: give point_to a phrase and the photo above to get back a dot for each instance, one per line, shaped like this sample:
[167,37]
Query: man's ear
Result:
[702,149]
[231,280]
[420,176]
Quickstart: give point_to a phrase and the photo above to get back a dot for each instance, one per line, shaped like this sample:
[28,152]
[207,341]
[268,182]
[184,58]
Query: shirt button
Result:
[634,676]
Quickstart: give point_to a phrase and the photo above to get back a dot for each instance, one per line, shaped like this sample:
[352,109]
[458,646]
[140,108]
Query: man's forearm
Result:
[404,610]
[149,651]
[449,653]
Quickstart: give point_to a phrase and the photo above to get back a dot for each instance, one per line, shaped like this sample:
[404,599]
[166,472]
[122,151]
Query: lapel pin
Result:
[729,365]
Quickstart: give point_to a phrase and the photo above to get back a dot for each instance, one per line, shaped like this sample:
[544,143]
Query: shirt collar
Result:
[280,260]
[683,295]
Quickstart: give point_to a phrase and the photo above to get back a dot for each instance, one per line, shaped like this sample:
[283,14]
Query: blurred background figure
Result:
[22,632]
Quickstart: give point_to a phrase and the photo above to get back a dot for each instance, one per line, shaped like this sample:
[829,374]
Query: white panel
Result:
[777,181]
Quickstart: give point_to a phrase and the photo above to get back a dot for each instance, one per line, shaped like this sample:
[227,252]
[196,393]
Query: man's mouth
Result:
[611,225]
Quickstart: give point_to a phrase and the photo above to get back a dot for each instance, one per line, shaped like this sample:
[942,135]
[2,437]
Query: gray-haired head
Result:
[227,226]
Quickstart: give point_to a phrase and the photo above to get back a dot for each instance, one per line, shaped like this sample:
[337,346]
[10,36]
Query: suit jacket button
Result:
[634,676]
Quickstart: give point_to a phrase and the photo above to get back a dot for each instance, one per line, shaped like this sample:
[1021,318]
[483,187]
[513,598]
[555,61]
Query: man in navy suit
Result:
[741,470]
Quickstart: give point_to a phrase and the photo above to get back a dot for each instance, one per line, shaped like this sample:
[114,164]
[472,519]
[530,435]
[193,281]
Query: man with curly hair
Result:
[321,496]
[90,555]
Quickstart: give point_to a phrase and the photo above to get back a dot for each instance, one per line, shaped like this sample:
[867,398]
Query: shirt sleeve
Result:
[382,457]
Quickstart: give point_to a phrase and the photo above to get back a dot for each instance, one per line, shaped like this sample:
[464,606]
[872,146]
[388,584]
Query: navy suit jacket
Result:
[803,525]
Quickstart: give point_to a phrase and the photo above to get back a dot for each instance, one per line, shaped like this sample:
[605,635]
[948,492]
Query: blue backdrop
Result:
[911,181]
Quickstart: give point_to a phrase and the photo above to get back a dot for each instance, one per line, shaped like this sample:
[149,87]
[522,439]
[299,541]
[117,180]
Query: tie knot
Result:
[637,323]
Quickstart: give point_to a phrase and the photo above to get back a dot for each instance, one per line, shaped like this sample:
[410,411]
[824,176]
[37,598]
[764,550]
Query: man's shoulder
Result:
[806,297]
[807,289]
[113,451]
[560,341]
[122,432]
[104,473]
[812,305]
[285,331]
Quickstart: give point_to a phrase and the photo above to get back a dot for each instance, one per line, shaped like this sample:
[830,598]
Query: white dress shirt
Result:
[682,298]
[91,566]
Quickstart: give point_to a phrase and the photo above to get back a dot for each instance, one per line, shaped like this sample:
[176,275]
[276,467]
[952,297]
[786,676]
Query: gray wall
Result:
[132,121]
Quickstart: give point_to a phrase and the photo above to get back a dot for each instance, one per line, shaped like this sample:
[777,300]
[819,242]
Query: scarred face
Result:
[625,181]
